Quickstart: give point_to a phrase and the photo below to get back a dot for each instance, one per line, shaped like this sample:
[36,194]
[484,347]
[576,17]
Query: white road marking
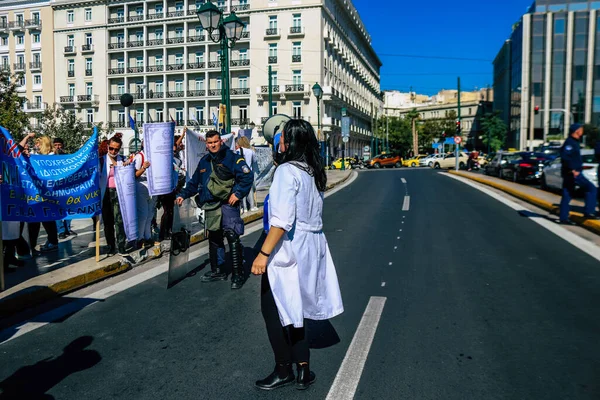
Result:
[398,238]
[577,241]
[348,376]
[403,180]
[395,247]
[390,263]
[382,284]
[406,204]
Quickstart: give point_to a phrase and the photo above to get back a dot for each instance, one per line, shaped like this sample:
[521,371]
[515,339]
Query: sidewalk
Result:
[74,265]
[540,198]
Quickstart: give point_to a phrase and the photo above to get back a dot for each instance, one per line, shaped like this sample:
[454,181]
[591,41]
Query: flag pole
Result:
[98,216]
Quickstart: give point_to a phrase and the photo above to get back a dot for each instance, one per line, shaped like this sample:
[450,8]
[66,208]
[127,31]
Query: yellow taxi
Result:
[337,164]
[413,162]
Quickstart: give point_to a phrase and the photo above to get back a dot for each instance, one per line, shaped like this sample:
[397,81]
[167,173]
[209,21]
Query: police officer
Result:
[221,180]
[572,167]
[597,156]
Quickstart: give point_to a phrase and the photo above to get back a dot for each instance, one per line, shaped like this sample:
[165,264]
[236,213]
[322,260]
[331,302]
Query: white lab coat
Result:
[300,269]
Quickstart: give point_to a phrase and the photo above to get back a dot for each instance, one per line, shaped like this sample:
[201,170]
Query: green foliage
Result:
[12,116]
[494,131]
[592,135]
[58,122]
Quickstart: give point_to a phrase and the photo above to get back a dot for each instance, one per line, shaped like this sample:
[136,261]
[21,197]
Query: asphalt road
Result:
[482,303]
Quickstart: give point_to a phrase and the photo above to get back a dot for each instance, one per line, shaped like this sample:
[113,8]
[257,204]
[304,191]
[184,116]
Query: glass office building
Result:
[553,60]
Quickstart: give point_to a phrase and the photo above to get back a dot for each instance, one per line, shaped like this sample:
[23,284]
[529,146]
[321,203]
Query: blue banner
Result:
[51,187]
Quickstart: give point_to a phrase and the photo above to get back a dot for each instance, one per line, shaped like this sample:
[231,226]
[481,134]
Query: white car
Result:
[552,177]
[429,160]
[449,161]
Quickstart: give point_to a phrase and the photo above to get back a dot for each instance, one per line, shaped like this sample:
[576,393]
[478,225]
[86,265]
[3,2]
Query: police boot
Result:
[282,375]
[238,277]
[216,272]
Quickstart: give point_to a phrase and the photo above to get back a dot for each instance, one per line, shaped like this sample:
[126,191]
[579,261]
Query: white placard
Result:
[195,149]
[158,148]
[126,190]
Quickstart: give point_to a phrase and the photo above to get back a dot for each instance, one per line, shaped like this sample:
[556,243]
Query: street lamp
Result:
[228,31]
[318,92]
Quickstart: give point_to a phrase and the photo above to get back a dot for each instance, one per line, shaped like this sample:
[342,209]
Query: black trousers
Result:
[113,221]
[167,202]
[34,232]
[289,344]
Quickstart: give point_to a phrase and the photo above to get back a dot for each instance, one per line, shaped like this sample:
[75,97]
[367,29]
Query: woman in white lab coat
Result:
[300,280]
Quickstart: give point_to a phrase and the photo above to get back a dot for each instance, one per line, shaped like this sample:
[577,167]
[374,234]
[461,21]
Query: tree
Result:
[12,116]
[592,135]
[57,122]
[494,131]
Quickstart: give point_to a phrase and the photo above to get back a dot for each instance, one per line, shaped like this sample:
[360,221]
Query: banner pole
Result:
[1,259]
[98,216]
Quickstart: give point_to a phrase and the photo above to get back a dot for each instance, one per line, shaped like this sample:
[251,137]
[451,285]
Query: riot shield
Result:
[185,224]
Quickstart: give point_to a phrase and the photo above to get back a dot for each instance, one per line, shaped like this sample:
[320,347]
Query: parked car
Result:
[525,167]
[552,177]
[413,162]
[494,167]
[337,164]
[385,160]
[429,160]
[449,161]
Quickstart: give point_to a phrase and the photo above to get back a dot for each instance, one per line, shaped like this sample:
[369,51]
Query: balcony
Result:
[196,93]
[5,67]
[87,48]
[155,42]
[35,66]
[19,67]
[214,92]
[240,121]
[4,26]
[119,124]
[116,20]
[117,45]
[196,65]
[155,95]
[88,72]
[240,7]
[296,31]
[176,40]
[245,35]
[239,91]
[135,18]
[16,25]
[70,50]
[296,58]
[88,98]
[196,38]
[135,43]
[214,64]
[114,97]
[35,23]
[155,68]
[175,67]
[272,59]
[155,15]
[135,70]
[67,99]
[263,119]
[34,107]
[272,33]
[265,89]
[175,14]
[71,74]
[175,94]
[294,88]
[240,63]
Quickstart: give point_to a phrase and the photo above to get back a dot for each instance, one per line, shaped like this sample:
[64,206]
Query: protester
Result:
[59,145]
[221,179]
[144,203]
[24,144]
[166,201]
[111,212]
[242,147]
[300,280]
[43,146]
[572,167]
[10,236]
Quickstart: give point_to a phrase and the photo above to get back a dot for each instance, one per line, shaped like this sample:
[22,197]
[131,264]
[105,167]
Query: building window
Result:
[88,64]
[243,82]
[89,88]
[37,79]
[121,88]
[179,32]
[120,63]
[88,38]
[139,36]
[199,57]
[243,114]
[120,14]
[559,26]
[178,85]
[121,116]
[71,65]
[199,31]
[139,11]
[159,115]
[179,115]
[178,59]
[273,22]
[4,40]
[158,34]
[139,115]
[297,20]
[159,86]
[274,109]
[199,83]
[179,6]
[36,58]
[120,38]
[5,62]
[71,89]
[159,60]
[71,41]
[273,50]
[274,78]
[35,16]
[297,77]
[243,54]
[70,17]
[35,37]
[37,100]
[90,115]
[158,8]
[88,14]
[200,114]
[218,83]
[139,61]
[20,39]
[297,110]
[21,80]
[199,4]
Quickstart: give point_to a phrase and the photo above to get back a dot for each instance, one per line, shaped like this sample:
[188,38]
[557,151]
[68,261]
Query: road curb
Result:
[591,225]
[33,296]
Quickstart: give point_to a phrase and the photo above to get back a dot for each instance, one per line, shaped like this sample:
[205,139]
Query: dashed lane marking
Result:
[406,204]
[403,180]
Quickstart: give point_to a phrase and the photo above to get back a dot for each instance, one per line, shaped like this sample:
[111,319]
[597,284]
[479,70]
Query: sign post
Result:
[457,141]
[345,138]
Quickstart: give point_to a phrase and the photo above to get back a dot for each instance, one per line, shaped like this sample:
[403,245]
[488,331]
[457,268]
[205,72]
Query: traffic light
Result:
[536,110]
[458,130]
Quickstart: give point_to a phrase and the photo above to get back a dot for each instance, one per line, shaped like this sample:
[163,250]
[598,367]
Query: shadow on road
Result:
[33,381]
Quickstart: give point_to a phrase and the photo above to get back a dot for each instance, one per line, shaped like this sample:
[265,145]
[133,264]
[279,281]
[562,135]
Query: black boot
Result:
[281,376]
[238,277]
[216,273]
[305,377]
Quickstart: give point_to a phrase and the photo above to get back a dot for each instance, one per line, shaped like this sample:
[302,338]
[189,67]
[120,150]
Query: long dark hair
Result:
[302,147]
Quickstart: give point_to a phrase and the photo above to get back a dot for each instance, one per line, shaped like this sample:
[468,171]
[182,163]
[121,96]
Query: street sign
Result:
[345,139]
[345,126]
[457,139]
[344,112]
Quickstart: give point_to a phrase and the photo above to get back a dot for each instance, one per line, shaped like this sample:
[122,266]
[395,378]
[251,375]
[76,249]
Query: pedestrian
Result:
[221,179]
[167,201]
[300,280]
[243,147]
[111,212]
[144,203]
[572,167]
[11,234]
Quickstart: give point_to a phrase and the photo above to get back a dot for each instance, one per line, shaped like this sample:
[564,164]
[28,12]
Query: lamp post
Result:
[227,31]
[318,92]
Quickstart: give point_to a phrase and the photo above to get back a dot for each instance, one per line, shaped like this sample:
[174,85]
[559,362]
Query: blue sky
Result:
[440,28]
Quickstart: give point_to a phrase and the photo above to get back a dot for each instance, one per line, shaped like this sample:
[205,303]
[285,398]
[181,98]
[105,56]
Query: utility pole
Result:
[457,150]
[270,91]
[414,135]
[387,133]
[531,124]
